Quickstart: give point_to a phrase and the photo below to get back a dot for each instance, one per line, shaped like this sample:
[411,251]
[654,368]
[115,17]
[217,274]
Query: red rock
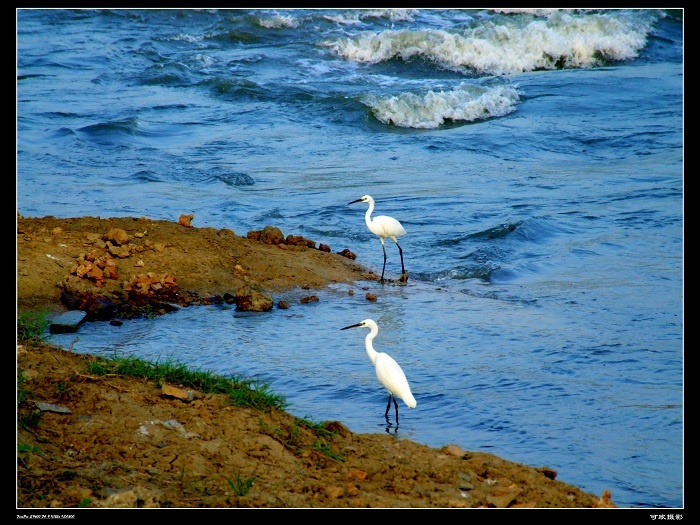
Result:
[186,219]
[347,253]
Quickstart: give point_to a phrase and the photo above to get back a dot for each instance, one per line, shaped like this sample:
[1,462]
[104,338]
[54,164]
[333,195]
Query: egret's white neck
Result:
[369,211]
[371,352]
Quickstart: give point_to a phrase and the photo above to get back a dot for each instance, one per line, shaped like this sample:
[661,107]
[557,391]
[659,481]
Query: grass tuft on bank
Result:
[31,325]
[241,392]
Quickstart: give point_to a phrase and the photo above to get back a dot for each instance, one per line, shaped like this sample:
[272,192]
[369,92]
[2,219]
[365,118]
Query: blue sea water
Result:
[534,157]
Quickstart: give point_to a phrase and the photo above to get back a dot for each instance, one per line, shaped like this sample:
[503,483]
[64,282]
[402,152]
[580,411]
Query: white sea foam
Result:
[561,40]
[356,17]
[430,110]
[344,19]
[185,38]
[277,21]
[407,15]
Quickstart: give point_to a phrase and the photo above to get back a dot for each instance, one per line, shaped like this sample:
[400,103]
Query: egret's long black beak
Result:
[353,202]
[352,326]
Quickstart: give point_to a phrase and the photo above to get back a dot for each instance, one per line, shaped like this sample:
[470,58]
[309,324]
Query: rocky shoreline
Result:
[123,442]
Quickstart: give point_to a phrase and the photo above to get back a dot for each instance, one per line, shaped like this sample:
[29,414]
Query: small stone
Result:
[272,235]
[67,322]
[347,253]
[548,472]
[48,407]
[334,492]
[253,235]
[252,298]
[179,393]
[185,220]
[452,450]
[359,475]
[117,236]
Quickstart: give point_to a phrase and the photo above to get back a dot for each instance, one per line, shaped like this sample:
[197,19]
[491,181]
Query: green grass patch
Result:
[31,325]
[240,485]
[241,392]
[29,448]
[293,439]
[317,428]
[326,449]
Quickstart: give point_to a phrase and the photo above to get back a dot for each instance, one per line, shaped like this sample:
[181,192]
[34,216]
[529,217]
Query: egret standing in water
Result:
[388,371]
[385,227]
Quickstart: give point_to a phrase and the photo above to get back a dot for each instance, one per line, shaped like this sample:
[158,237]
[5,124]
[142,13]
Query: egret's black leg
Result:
[381,279]
[403,270]
[396,405]
[388,406]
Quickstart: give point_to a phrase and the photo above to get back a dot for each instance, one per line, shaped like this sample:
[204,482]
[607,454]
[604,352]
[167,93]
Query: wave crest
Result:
[431,110]
[562,40]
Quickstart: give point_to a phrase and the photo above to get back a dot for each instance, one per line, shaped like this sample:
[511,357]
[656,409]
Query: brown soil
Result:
[127,443]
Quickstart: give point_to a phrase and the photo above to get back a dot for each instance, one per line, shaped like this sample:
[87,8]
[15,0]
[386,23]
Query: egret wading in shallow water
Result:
[388,371]
[386,228]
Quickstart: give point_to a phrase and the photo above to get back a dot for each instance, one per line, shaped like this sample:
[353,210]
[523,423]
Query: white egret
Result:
[388,371]
[386,228]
